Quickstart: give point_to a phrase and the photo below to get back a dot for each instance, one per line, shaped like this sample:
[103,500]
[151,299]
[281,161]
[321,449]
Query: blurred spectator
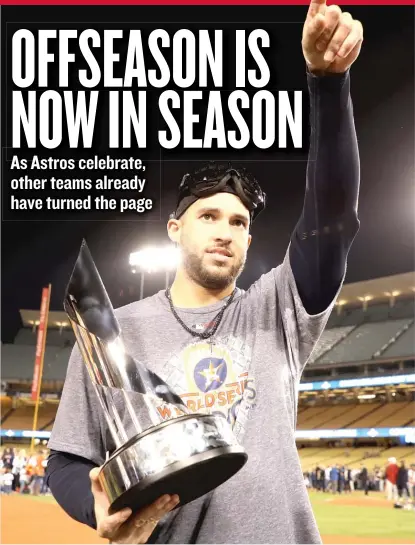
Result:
[341,480]
[24,481]
[320,479]
[38,467]
[355,476]
[402,482]
[7,481]
[411,481]
[364,479]
[327,478]
[7,458]
[44,489]
[19,462]
[313,478]
[334,479]
[391,474]
[377,479]
[347,479]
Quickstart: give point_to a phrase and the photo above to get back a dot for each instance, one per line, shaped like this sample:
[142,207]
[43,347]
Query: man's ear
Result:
[249,240]
[173,230]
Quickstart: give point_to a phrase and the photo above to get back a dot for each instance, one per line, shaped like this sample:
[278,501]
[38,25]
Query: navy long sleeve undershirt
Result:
[318,251]
[328,224]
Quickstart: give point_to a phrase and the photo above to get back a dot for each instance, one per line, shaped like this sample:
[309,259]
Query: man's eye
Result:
[239,223]
[207,216]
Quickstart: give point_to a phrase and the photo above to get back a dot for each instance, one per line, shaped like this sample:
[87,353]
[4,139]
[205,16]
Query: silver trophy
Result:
[189,455]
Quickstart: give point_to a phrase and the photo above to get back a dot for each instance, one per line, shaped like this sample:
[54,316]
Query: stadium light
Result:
[154,259]
[339,305]
[365,300]
[61,325]
[392,295]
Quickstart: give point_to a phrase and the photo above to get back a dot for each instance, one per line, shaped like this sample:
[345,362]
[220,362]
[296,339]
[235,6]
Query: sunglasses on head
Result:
[212,179]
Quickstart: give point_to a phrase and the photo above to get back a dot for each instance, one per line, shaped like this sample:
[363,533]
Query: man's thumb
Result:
[93,474]
[95,484]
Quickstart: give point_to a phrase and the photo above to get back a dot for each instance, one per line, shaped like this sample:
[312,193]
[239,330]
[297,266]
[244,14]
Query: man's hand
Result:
[121,527]
[331,39]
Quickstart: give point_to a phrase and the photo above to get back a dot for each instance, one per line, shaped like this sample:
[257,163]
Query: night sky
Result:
[37,253]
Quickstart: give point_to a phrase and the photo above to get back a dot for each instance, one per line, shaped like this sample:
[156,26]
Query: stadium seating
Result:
[21,418]
[6,407]
[374,313]
[401,416]
[404,345]
[350,415]
[403,309]
[320,418]
[18,362]
[383,414]
[363,342]
[328,339]
[361,415]
[304,417]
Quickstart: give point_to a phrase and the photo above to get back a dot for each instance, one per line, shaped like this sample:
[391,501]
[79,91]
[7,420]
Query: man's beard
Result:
[217,279]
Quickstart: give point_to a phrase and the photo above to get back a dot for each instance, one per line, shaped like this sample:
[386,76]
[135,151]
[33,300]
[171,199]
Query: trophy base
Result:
[188,456]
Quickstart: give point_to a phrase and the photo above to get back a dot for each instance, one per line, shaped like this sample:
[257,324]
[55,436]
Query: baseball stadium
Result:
[356,421]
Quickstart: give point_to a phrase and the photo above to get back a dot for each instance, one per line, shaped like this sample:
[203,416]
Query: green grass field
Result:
[363,521]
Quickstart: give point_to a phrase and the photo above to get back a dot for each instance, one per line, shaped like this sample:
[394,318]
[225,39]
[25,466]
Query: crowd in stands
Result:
[396,481]
[22,472]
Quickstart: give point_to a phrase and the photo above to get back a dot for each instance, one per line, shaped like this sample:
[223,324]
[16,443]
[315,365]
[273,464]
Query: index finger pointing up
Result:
[316,6]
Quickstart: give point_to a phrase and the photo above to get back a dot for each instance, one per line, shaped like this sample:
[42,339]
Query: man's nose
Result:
[223,232]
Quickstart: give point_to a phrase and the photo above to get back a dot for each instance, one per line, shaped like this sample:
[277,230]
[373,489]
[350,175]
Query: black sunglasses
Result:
[211,179]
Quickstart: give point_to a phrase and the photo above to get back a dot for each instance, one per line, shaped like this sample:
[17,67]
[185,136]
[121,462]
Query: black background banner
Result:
[287,73]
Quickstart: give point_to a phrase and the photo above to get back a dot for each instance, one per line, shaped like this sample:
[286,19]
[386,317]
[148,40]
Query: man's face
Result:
[214,238]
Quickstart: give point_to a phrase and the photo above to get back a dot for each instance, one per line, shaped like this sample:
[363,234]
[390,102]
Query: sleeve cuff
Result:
[327,80]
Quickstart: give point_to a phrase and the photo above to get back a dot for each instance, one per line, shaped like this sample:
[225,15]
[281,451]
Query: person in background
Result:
[347,479]
[341,480]
[8,478]
[411,482]
[38,473]
[19,461]
[334,478]
[319,478]
[7,458]
[391,474]
[327,481]
[355,479]
[402,482]
[44,462]
[313,479]
[24,481]
[364,479]
[378,479]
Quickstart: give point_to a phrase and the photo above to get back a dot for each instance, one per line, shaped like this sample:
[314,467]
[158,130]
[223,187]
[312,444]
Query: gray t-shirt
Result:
[265,339]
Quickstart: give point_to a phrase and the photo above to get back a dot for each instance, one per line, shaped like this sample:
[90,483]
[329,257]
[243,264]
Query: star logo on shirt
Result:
[210,374]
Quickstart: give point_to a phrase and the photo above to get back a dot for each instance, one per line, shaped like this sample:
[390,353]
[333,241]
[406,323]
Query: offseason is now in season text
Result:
[192,107]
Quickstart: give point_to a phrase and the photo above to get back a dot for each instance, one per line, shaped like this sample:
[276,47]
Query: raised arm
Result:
[328,224]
